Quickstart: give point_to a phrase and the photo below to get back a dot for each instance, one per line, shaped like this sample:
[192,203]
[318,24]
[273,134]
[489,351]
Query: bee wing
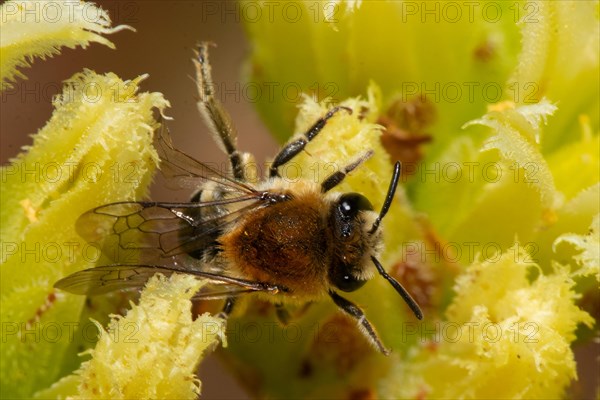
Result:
[188,172]
[219,292]
[150,232]
[100,280]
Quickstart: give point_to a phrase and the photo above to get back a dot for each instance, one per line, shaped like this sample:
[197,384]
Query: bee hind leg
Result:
[293,148]
[215,116]
[365,326]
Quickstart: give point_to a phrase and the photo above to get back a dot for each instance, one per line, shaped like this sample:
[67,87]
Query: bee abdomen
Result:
[206,235]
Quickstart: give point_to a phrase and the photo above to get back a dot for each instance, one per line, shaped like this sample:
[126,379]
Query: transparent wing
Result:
[100,280]
[144,238]
[150,232]
[221,292]
[187,172]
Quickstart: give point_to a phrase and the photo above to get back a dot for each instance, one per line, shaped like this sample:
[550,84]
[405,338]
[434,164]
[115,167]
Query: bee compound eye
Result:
[342,279]
[351,203]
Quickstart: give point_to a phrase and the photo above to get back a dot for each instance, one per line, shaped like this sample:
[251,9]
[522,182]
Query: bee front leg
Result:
[337,177]
[292,149]
[365,326]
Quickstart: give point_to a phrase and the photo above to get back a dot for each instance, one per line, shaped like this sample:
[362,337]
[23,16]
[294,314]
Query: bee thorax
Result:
[284,244]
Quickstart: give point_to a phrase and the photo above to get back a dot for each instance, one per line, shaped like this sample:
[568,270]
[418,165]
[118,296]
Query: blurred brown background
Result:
[162,47]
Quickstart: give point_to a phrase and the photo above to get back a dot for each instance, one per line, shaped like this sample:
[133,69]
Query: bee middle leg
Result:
[355,312]
[292,149]
[227,308]
[215,115]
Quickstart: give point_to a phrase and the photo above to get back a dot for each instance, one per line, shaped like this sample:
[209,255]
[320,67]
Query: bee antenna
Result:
[399,288]
[388,198]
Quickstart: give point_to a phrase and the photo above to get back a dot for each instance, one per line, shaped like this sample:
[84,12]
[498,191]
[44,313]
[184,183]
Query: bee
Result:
[294,242]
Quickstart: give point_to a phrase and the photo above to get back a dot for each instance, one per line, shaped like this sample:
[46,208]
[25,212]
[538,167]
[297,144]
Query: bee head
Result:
[355,227]
[351,219]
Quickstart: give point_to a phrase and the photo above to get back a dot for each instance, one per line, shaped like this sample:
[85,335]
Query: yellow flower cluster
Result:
[506,334]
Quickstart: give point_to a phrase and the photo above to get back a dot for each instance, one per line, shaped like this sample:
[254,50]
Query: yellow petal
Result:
[153,351]
[40,28]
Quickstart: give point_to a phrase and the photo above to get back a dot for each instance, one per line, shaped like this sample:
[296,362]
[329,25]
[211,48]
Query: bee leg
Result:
[365,326]
[217,119]
[292,149]
[227,308]
[337,177]
[283,315]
